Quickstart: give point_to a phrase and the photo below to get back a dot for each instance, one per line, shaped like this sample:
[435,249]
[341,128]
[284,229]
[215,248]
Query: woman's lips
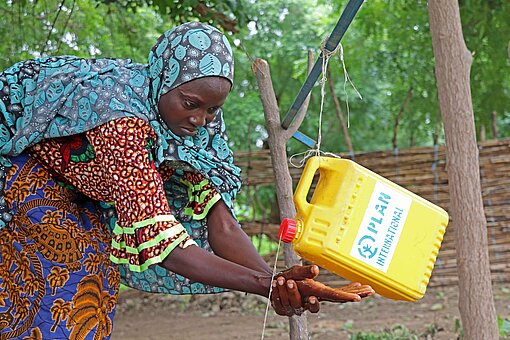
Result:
[188,131]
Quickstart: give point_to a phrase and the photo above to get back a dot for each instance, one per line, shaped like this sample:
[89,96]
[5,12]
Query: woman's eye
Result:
[189,104]
[213,110]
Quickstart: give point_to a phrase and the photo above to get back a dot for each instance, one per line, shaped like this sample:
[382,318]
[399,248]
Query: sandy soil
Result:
[239,316]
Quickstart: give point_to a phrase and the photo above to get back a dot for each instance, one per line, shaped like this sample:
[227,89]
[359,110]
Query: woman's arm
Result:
[120,156]
[230,242]
[293,290]
[202,266]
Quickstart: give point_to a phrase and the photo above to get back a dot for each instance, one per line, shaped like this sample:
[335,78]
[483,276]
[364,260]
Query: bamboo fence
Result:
[422,171]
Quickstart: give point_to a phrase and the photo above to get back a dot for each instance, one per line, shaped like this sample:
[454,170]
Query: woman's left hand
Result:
[286,298]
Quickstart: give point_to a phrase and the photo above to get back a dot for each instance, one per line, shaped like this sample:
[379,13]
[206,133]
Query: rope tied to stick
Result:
[326,56]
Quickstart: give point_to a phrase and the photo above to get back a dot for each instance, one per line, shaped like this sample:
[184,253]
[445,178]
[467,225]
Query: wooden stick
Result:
[278,138]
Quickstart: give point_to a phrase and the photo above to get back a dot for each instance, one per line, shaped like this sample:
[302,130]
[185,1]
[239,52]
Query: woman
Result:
[115,172]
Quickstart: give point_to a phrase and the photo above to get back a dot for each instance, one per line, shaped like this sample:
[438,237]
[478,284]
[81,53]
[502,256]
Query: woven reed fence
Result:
[422,171]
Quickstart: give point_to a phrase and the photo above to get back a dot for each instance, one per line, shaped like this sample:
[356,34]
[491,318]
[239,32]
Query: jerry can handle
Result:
[305,182]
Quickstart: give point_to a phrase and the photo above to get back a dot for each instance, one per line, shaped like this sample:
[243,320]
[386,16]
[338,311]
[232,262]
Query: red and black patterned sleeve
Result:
[119,169]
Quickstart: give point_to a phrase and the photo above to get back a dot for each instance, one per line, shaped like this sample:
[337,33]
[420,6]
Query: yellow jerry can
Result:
[365,228]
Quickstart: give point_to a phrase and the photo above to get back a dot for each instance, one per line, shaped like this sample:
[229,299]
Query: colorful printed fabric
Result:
[56,97]
[145,230]
[56,278]
[62,96]
[112,163]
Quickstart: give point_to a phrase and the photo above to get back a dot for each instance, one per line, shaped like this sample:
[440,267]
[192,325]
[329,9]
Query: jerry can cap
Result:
[287,230]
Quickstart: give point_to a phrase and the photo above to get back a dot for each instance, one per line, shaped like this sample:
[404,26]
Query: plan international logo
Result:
[381,227]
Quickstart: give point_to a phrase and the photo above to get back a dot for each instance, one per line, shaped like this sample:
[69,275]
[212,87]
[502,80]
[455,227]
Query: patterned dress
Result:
[96,189]
[58,273]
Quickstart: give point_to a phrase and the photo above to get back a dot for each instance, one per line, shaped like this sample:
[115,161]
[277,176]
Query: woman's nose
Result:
[198,119]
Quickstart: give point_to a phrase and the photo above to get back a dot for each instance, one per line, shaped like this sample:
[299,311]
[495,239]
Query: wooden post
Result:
[278,138]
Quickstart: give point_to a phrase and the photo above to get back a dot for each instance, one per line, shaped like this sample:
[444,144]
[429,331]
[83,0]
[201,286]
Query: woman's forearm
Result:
[230,242]
[202,266]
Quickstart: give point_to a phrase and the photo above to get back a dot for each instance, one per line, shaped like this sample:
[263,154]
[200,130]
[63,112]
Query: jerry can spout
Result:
[287,230]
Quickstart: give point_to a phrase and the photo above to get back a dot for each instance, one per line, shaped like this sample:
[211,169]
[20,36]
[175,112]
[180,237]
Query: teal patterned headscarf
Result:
[187,52]
[62,96]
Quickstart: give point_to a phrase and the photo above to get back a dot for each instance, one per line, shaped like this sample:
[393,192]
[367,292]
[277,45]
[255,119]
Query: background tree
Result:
[453,64]
[387,50]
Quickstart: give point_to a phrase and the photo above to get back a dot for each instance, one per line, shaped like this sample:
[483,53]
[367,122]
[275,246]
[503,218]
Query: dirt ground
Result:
[238,316]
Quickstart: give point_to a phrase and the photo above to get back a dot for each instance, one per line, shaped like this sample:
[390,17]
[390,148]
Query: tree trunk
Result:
[278,138]
[494,125]
[453,63]
[482,136]
[399,116]
[340,115]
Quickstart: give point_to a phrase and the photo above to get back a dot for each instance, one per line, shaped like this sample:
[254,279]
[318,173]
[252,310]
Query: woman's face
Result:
[193,104]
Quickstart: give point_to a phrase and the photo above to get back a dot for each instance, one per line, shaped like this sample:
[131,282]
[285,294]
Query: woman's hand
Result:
[294,291]
[353,292]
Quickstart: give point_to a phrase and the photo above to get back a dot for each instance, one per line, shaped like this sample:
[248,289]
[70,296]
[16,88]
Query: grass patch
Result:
[123,288]
[504,326]
[397,332]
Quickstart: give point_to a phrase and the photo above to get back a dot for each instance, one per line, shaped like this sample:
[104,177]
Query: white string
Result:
[307,154]
[326,55]
[314,152]
[347,79]
[270,289]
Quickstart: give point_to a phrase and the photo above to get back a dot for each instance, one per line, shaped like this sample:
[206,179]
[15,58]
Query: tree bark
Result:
[278,138]
[453,64]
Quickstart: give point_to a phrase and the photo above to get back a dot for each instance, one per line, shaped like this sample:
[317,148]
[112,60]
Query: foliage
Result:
[38,28]
[486,28]
[264,244]
[458,329]
[397,332]
[225,13]
[254,203]
[387,51]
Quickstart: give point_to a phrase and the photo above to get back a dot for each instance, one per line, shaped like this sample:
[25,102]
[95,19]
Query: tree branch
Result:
[53,26]
[399,115]
[65,25]
[277,141]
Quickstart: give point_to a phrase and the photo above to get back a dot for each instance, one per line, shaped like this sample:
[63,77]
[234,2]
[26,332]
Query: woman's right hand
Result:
[353,292]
